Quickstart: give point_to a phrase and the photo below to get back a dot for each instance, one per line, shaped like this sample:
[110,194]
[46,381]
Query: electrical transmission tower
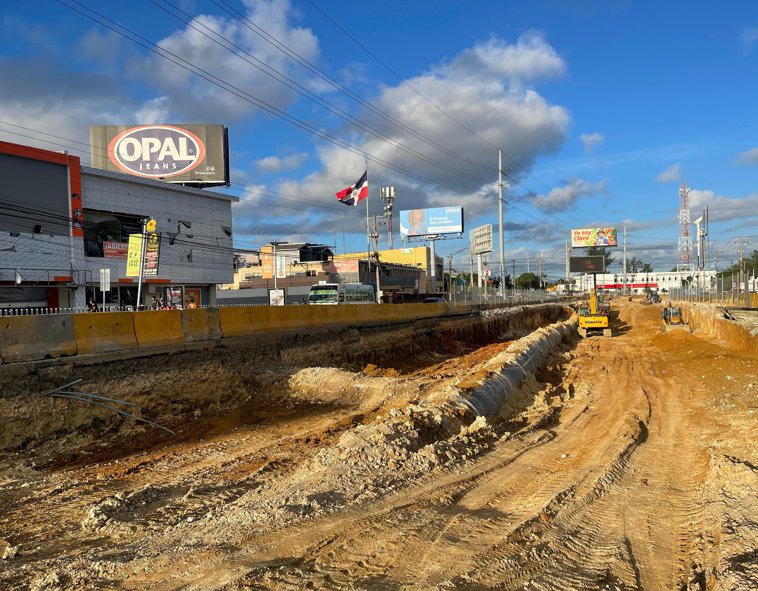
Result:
[684,260]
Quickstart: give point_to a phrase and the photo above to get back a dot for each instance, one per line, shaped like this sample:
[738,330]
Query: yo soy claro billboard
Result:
[193,155]
[586,237]
[431,221]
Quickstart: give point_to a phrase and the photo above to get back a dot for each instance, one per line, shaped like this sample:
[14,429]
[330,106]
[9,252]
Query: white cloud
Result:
[748,158]
[529,59]
[722,208]
[200,100]
[478,91]
[561,198]
[276,164]
[101,47]
[748,39]
[591,141]
[672,174]
[157,110]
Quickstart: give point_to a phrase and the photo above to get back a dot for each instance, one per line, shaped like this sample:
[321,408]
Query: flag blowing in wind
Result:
[353,195]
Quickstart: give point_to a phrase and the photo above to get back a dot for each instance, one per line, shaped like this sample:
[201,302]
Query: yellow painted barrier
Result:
[266,318]
[235,321]
[158,328]
[99,333]
[319,316]
[292,317]
[200,324]
[28,338]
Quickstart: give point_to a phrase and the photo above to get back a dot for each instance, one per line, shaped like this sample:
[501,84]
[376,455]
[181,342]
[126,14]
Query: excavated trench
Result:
[219,388]
[284,441]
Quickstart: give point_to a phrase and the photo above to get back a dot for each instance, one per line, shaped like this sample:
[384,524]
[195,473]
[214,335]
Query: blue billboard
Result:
[432,221]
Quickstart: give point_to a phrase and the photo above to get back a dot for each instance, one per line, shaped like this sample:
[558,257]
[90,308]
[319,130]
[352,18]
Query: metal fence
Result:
[723,291]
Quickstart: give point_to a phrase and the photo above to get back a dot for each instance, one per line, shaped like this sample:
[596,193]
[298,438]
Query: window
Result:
[310,273]
[257,276]
[349,295]
[248,276]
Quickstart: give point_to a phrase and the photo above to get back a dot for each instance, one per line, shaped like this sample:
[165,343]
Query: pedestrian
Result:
[91,306]
[192,305]
[155,304]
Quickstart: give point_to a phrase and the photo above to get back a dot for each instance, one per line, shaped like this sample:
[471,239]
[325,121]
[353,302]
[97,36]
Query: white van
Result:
[341,293]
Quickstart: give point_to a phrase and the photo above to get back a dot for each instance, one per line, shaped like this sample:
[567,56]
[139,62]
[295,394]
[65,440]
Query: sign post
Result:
[105,283]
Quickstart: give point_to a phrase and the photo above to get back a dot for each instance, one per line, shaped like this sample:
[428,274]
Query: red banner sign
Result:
[115,250]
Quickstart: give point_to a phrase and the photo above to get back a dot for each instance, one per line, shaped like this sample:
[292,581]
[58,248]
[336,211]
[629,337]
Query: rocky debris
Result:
[10,552]
[114,509]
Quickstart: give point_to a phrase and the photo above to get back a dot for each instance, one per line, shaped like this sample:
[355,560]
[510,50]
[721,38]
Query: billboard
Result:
[194,155]
[593,264]
[585,237]
[432,221]
[343,266]
[481,239]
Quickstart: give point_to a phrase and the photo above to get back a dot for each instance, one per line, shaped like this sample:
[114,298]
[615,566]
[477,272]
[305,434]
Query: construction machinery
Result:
[671,319]
[595,319]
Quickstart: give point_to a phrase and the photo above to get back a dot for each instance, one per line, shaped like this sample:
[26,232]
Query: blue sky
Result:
[606,107]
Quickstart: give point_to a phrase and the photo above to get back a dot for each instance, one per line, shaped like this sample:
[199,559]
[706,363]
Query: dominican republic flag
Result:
[353,195]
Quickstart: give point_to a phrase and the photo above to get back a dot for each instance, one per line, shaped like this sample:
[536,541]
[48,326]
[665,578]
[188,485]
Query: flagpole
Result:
[368,236]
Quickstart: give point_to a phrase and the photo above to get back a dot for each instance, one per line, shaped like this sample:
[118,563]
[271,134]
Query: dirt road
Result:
[629,463]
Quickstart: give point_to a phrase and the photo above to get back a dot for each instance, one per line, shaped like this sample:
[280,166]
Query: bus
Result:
[341,293]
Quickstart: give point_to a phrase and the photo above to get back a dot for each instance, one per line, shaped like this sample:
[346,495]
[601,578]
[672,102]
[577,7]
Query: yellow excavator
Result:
[671,319]
[594,320]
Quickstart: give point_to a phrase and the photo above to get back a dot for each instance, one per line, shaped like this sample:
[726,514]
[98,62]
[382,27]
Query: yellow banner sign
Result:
[134,257]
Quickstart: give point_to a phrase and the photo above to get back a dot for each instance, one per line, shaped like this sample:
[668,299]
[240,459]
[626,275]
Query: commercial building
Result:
[637,283]
[418,257]
[61,223]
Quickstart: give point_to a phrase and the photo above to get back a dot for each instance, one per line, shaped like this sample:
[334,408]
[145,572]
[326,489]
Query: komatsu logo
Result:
[156,151]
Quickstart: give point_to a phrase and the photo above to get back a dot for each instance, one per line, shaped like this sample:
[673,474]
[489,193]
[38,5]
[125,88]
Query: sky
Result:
[602,110]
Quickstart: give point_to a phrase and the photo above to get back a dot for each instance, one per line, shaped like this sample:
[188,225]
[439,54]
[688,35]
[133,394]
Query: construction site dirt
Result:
[623,463]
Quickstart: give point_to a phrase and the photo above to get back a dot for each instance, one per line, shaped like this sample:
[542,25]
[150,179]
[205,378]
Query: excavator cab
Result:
[595,318]
[672,319]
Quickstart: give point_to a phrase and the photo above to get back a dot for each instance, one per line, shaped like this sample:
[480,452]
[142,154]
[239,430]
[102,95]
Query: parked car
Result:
[433,301]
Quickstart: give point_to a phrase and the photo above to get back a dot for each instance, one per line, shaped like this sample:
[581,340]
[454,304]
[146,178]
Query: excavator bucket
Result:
[670,327]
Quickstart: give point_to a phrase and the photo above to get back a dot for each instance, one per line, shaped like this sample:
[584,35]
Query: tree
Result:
[528,280]
[601,250]
[646,268]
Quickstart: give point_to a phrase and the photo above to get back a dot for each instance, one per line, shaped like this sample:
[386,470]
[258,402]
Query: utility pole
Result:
[567,261]
[479,270]
[742,272]
[623,291]
[513,273]
[500,218]
[539,268]
[471,269]
[527,262]
[388,196]
[335,238]
[375,235]
[451,292]
[141,262]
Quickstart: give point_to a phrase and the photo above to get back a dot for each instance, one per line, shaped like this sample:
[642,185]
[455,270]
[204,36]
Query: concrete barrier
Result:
[292,317]
[100,333]
[201,324]
[158,328]
[28,338]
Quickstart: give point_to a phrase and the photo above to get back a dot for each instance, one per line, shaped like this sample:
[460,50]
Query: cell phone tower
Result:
[684,256]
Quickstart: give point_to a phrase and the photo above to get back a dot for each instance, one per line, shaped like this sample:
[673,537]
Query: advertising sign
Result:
[344,266]
[429,222]
[276,297]
[134,256]
[115,250]
[281,266]
[481,239]
[585,237]
[593,264]
[152,254]
[189,154]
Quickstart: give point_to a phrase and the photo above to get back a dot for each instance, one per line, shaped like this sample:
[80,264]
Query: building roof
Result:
[158,184]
